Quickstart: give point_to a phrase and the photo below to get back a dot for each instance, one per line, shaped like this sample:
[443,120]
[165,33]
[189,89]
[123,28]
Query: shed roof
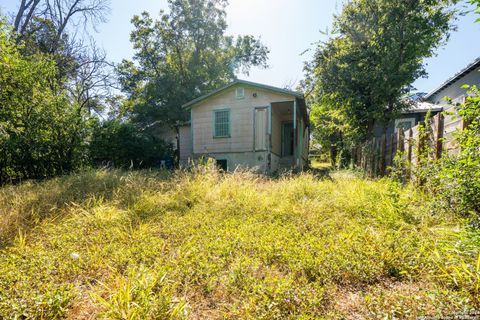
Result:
[422,107]
[295,94]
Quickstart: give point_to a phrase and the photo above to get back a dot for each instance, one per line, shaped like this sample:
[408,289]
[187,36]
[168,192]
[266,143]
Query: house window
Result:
[221,123]
[222,164]
[405,124]
[240,93]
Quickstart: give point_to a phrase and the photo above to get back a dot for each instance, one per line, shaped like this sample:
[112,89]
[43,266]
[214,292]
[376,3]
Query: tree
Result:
[375,55]
[181,56]
[43,25]
[331,130]
[476,3]
[59,14]
[40,135]
[92,83]
[122,145]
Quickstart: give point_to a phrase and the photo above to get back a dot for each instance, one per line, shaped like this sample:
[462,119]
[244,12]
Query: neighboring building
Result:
[408,118]
[249,125]
[452,88]
[435,101]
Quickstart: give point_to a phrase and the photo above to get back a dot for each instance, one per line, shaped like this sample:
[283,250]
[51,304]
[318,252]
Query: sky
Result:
[289,28]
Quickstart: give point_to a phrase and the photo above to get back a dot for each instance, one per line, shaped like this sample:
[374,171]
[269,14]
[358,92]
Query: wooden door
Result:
[261,129]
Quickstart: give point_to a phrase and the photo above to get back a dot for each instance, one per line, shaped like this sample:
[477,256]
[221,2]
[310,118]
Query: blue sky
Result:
[288,28]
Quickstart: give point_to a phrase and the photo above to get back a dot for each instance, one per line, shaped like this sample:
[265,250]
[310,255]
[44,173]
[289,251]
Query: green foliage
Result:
[476,3]
[209,245]
[139,294]
[180,56]
[376,53]
[401,168]
[41,36]
[123,145]
[41,132]
[455,180]
[331,130]
[423,151]
[464,275]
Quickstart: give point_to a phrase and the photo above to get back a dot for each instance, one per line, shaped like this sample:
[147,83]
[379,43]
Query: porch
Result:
[289,136]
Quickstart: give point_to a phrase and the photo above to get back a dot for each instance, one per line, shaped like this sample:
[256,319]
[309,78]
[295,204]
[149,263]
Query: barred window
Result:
[221,122]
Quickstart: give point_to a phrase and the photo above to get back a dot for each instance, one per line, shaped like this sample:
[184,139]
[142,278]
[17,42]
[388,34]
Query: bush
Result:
[123,145]
[42,132]
[455,179]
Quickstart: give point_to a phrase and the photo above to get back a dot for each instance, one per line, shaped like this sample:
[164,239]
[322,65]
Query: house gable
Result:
[243,84]
[453,87]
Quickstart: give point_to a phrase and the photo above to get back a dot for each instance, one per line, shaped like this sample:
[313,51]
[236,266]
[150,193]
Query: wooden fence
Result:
[376,156]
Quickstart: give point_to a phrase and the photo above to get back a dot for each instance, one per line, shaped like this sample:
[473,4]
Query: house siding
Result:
[241,120]
[274,162]
[306,142]
[256,161]
[455,90]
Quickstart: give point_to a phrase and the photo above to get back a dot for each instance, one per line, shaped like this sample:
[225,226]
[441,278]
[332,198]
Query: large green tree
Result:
[47,26]
[40,134]
[376,52]
[180,56]
[330,130]
[52,84]
[476,3]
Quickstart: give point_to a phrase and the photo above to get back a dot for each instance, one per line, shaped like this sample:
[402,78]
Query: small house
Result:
[247,125]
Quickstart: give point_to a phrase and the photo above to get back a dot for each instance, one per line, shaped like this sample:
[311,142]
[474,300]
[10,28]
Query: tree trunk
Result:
[333,155]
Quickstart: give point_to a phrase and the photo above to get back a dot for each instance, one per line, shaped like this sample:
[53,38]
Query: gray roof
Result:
[422,107]
[471,67]
[295,94]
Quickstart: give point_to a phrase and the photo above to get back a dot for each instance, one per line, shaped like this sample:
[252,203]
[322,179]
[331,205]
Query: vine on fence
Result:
[425,157]
[455,178]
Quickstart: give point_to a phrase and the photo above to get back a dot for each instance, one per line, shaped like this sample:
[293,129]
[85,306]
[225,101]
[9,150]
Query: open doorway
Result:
[287,139]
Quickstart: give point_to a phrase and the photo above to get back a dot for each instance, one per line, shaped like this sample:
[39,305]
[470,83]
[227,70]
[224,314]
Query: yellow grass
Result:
[146,245]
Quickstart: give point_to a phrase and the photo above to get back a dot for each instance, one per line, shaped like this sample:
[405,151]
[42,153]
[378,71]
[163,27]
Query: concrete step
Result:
[286,161]
[285,164]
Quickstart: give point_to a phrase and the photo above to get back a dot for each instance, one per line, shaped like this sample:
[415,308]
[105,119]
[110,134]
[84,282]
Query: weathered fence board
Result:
[377,155]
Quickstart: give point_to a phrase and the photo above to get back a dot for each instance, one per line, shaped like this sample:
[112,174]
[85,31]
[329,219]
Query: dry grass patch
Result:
[198,245]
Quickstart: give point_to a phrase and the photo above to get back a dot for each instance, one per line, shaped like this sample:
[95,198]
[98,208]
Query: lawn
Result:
[202,245]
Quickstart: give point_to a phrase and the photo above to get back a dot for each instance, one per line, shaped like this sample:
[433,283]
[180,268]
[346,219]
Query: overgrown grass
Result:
[133,245]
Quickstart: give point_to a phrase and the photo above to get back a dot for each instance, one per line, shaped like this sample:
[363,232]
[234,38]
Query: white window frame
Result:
[215,135]
[240,93]
[398,121]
